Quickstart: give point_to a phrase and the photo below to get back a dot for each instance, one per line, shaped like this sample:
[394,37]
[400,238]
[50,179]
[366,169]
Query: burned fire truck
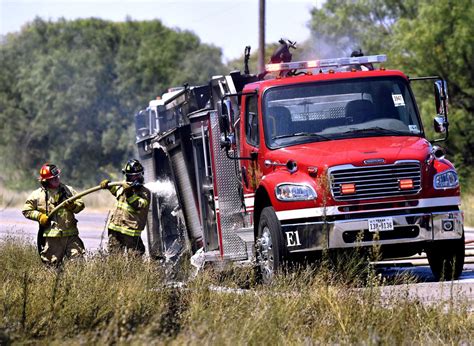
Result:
[306,157]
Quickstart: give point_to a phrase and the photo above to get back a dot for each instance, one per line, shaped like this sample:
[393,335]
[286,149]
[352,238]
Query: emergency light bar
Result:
[324,63]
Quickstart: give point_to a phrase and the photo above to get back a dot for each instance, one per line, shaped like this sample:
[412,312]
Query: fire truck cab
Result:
[325,154]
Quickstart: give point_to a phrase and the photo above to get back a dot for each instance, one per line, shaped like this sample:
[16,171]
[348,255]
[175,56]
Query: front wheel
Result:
[269,246]
[446,258]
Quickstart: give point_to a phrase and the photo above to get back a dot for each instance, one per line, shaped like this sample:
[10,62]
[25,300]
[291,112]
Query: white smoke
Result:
[321,47]
[163,188]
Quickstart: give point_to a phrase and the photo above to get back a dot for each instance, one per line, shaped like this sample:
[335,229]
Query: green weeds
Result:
[127,300]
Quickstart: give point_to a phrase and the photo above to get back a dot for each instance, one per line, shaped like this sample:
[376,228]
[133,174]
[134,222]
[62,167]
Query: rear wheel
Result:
[269,246]
[446,258]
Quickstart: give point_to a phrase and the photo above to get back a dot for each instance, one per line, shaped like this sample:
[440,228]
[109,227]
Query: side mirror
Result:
[226,142]
[439,124]
[438,152]
[225,119]
[441,101]
[230,115]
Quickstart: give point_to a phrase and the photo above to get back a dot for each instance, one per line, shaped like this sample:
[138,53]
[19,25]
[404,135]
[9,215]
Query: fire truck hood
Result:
[357,151]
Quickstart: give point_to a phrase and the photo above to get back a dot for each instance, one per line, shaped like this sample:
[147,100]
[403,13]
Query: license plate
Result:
[381,224]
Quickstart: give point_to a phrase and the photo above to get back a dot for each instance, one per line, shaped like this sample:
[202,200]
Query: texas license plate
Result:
[381,224]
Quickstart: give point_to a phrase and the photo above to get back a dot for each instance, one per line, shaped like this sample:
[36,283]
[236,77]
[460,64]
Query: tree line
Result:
[69,89]
[421,38]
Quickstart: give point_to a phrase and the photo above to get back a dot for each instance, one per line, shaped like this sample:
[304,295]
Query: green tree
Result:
[342,26]
[238,64]
[420,38]
[440,41]
[69,91]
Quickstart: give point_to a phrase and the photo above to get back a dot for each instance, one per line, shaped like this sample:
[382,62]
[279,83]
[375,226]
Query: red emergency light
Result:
[325,63]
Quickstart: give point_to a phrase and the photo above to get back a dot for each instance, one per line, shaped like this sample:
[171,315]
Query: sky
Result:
[229,24]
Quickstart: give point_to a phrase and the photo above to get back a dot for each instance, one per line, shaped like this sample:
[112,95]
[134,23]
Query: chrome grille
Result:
[381,181]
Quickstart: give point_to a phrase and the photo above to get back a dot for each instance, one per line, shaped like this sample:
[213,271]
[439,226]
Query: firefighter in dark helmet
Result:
[128,219]
[58,235]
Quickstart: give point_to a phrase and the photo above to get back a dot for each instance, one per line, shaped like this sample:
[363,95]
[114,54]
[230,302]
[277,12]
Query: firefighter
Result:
[361,67]
[58,236]
[129,217]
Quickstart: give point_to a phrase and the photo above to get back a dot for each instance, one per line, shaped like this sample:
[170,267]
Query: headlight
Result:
[295,192]
[446,180]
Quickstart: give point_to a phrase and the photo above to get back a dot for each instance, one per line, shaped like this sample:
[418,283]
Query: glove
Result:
[43,220]
[70,205]
[104,184]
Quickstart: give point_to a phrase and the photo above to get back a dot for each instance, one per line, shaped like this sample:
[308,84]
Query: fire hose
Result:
[81,194]
[40,238]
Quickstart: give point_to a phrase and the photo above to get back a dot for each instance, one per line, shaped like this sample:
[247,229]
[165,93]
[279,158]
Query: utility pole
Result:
[261,37]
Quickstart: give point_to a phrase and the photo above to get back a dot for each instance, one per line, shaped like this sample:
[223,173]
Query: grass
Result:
[126,301]
[467,206]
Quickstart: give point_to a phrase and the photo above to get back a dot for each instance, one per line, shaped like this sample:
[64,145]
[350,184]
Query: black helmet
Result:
[133,171]
[132,166]
[357,53]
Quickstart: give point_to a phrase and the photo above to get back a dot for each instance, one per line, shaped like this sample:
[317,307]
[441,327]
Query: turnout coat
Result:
[131,210]
[42,201]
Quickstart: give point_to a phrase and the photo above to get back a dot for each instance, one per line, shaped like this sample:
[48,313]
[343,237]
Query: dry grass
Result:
[121,300]
[12,199]
[100,200]
[468,208]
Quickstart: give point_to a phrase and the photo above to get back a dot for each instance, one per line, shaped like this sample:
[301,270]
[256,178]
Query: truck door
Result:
[251,173]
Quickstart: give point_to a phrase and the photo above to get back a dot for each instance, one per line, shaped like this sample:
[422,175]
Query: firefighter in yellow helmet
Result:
[58,236]
[129,217]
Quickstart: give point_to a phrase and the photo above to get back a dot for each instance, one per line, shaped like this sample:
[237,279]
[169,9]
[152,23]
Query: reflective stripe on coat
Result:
[130,213]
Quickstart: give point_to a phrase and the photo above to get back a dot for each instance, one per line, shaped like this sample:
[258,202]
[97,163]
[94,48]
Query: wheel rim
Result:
[266,256]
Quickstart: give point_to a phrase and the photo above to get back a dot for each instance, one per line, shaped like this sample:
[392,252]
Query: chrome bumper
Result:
[410,228]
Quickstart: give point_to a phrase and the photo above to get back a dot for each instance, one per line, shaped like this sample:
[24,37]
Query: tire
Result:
[269,246]
[446,259]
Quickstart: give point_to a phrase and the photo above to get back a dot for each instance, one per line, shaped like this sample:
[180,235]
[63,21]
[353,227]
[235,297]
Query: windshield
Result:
[324,111]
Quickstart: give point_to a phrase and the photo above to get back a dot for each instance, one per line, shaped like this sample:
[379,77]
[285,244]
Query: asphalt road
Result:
[91,226]
[93,233]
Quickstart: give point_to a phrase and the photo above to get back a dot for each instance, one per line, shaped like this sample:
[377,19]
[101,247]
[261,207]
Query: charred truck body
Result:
[327,154]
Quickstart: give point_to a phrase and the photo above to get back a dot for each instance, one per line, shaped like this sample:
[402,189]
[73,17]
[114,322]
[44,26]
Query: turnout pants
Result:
[119,242]
[55,249]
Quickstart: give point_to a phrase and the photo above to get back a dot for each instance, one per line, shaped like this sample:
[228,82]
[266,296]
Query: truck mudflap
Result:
[380,230]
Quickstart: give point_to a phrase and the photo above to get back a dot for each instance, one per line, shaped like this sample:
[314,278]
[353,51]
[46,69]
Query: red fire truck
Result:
[309,156]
